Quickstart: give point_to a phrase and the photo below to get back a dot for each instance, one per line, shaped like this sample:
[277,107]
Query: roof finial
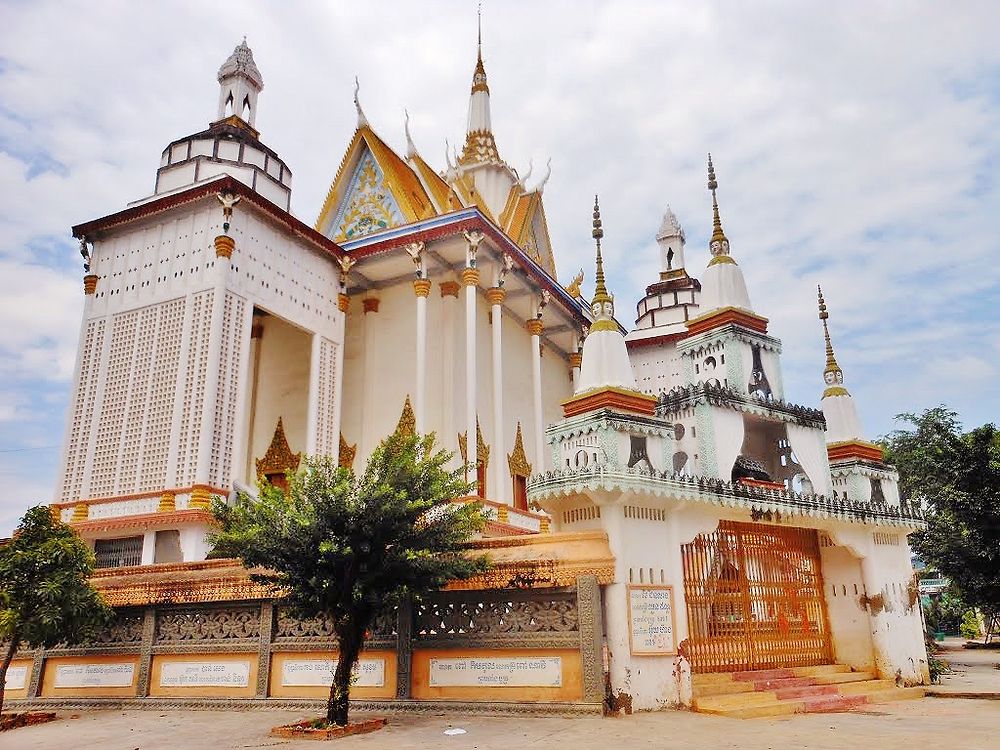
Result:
[411,148]
[479,24]
[362,120]
[718,245]
[600,290]
[832,374]
[479,76]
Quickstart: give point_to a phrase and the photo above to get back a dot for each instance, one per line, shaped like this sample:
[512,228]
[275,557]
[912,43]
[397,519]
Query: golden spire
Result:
[719,244]
[832,374]
[600,290]
[479,76]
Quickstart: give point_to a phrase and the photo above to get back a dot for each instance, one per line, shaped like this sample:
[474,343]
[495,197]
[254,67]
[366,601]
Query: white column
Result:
[879,629]
[535,329]
[575,361]
[208,436]
[312,418]
[470,280]
[148,548]
[449,298]
[367,442]
[422,288]
[249,401]
[501,484]
[343,304]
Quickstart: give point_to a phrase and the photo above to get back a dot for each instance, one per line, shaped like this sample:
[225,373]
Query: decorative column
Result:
[449,296]
[370,307]
[575,361]
[422,288]
[312,398]
[470,280]
[343,305]
[256,334]
[495,296]
[224,245]
[535,329]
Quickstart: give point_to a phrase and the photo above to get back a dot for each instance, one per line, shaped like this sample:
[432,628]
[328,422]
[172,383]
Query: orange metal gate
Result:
[754,598]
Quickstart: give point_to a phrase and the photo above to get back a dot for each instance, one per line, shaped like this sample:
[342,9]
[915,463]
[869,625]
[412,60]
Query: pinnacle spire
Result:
[719,244]
[600,290]
[480,146]
[832,374]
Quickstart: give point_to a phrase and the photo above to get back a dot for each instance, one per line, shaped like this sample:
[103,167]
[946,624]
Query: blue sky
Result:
[856,146]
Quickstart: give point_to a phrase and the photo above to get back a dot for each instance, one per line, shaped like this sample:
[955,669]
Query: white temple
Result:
[222,338]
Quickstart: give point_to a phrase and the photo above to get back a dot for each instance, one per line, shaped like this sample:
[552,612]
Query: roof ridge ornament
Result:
[411,148]
[833,375]
[362,120]
[719,244]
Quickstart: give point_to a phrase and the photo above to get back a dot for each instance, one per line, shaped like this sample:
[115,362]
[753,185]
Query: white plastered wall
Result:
[848,618]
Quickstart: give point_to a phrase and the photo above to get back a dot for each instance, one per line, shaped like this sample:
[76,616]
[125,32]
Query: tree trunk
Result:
[349,642]
[7,659]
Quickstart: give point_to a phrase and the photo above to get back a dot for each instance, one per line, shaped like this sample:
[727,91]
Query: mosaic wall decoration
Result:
[369,205]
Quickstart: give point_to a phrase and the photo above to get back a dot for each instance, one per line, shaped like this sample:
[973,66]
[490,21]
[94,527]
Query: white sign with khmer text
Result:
[498,671]
[94,675]
[205,674]
[651,620]
[319,673]
[16,677]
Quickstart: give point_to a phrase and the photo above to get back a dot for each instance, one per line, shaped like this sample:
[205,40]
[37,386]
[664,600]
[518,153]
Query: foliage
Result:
[351,548]
[945,612]
[45,592]
[969,627]
[957,476]
[936,666]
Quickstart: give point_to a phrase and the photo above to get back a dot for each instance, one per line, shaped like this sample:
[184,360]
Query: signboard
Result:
[651,620]
[94,675]
[205,674]
[499,671]
[319,672]
[16,677]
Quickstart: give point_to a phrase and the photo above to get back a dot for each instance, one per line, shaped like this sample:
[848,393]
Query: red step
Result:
[829,703]
[784,682]
[806,691]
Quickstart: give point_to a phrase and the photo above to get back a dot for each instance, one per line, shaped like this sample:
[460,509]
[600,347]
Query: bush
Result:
[970,625]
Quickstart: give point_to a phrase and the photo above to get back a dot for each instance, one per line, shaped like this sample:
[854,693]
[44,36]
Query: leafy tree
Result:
[956,475]
[350,548]
[45,592]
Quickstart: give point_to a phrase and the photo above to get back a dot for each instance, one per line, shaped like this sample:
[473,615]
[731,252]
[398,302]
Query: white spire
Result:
[723,284]
[240,81]
[841,412]
[670,239]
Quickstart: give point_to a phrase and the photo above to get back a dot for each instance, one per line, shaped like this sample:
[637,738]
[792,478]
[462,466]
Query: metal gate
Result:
[754,598]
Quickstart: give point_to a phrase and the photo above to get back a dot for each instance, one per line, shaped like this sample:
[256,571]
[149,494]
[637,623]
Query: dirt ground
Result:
[930,722]
[973,671]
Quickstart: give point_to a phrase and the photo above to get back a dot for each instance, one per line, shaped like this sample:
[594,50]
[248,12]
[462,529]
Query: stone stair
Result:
[777,692]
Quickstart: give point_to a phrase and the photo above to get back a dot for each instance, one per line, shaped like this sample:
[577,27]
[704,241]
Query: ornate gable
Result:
[368,205]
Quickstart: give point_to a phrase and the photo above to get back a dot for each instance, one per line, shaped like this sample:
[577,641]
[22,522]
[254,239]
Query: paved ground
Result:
[973,671]
[931,722]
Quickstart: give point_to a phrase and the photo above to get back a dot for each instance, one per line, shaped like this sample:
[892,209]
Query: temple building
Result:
[664,527]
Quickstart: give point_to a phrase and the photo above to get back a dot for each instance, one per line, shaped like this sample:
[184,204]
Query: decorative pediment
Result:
[368,204]
[517,461]
[407,424]
[279,458]
[482,449]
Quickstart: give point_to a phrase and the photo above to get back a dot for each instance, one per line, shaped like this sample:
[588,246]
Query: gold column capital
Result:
[90,283]
[449,288]
[167,503]
[343,302]
[495,295]
[470,277]
[201,497]
[370,304]
[422,287]
[224,245]
[575,359]
[534,327]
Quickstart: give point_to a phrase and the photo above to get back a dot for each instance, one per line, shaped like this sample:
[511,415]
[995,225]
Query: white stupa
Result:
[722,285]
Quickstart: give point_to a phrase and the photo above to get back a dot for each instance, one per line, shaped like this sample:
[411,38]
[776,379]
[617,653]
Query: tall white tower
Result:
[239,84]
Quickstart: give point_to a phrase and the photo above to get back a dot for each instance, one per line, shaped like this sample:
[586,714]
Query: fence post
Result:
[146,652]
[264,648]
[588,603]
[404,647]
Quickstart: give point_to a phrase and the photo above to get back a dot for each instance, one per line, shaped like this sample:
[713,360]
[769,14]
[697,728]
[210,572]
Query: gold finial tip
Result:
[712,182]
[598,232]
[823,314]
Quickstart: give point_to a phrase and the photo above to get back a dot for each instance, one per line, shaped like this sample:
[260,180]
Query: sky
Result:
[856,146]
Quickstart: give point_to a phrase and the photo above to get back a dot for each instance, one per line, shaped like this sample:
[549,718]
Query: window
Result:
[118,553]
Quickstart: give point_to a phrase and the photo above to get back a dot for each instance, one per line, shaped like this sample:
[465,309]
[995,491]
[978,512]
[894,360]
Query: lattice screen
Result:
[193,396]
[327,439]
[83,409]
[227,396]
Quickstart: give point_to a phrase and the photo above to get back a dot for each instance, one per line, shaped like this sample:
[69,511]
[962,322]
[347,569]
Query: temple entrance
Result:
[754,597]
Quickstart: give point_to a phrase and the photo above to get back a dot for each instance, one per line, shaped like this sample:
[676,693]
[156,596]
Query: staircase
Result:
[776,692]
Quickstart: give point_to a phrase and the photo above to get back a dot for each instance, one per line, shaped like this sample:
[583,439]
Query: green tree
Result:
[45,592]
[956,475]
[349,548]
